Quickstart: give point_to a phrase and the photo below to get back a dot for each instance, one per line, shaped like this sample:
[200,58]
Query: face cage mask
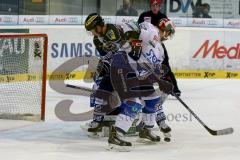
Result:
[167,35]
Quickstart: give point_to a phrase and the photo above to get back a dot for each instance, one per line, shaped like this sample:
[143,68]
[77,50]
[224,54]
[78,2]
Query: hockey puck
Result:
[167,139]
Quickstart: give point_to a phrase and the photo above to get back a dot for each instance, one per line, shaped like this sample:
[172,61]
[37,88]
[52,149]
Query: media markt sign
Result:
[13,56]
[217,55]
[218,51]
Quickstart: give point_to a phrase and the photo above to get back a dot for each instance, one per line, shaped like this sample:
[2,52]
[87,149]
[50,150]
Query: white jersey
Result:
[152,50]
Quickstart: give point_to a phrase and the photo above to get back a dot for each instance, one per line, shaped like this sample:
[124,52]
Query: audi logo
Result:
[72,19]
[39,19]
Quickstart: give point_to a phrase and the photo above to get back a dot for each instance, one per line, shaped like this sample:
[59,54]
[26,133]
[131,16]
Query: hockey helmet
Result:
[92,21]
[167,26]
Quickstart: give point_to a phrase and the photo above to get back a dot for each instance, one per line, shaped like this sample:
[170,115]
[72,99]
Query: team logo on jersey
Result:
[110,34]
[152,59]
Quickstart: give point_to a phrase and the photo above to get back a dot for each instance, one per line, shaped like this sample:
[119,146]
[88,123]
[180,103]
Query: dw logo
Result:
[181,5]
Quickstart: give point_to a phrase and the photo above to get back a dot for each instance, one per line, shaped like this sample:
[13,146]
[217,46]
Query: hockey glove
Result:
[103,69]
[165,86]
[136,51]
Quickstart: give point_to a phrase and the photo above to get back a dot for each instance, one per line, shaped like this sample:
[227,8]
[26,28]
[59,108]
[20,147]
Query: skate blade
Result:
[113,147]
[145,140]
[94,134]
[91,134]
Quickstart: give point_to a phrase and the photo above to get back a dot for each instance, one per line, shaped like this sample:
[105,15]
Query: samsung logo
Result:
[71,50]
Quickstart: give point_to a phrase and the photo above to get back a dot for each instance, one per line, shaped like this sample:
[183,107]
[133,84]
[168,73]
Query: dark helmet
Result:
[92,21]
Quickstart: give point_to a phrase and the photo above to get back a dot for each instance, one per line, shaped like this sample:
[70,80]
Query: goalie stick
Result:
[225,131]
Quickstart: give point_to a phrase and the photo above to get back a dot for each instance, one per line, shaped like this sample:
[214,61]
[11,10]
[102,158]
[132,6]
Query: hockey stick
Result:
[212,132]
[83,91]
[79,87]
[225,131]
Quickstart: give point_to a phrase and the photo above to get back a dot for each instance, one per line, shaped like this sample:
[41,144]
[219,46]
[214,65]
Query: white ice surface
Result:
[217,102]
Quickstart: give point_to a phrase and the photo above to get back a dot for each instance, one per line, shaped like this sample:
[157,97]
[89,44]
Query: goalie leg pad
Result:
[129,111]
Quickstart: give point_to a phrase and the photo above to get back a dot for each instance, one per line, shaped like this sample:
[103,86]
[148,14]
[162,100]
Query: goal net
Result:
[23,63]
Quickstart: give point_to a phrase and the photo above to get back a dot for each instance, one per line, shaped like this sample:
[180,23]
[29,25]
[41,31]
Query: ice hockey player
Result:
[106,47]
[154,16]
[151,53]
[108,38]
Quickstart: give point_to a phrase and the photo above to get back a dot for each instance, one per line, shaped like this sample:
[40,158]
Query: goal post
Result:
[23,76]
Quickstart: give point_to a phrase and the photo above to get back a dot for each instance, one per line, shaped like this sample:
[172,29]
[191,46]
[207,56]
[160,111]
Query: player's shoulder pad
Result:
[149,33]
[113,32]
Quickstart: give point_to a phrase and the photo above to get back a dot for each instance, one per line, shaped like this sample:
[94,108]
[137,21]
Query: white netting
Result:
[21,71]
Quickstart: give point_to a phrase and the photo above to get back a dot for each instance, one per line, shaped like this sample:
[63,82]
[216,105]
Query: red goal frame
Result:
[44,72]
